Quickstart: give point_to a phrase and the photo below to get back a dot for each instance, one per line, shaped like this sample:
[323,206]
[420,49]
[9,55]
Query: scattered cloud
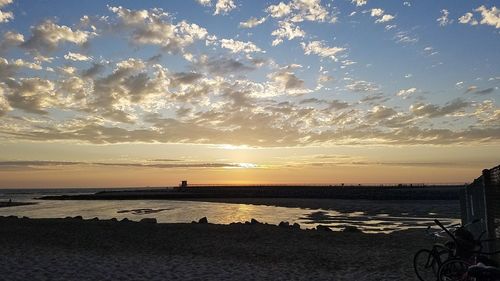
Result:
[252,22]
[467,18]
[443,20]
[405,37]
[5,16]
[223,7]
[361,86]
[381,15]
[406,92]
[204,2]
[359,3]
[48,35]
[43,164]
[320,49]
[431,110]
[300,10]
[286,30]
[239,46]
[154,27]
[489,16]
[77,57]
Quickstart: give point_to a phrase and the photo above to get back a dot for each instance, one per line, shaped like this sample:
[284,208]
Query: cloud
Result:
[300,10]
[406,92]
[286,30]
[471,89]
[381,15]
[361,86]
[331,104]
[47,36]
[474,90]
[359,3]
[4,104]
[223,66]
[379,113]
[154,27]
[287,80]
[252,22]
[431,110]
[236,46]
[405,37]
[376,12]
[224,7]
[11,39]
[488,17]
[444,20]
[204,2]
[7,69]
[95,69]
[77,57]
[467,18]
[5,16]
[183,78]
[385,18]
[279,11]
[32,95]
[319,48]
[43,164]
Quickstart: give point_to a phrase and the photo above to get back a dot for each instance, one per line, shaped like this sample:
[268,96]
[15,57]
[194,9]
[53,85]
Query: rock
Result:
[254,221]
[284,224]
[148,220]
[194,222]
[113,219]
[351,228]
[25,218]
[203,220]
[296,226]
[95,219]
[323,228]
[125,220]
[78,218]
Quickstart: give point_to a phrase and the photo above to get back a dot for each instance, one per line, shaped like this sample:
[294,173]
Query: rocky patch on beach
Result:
[146,250]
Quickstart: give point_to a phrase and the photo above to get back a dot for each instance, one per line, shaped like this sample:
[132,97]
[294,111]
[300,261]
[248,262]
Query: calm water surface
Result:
[221,213]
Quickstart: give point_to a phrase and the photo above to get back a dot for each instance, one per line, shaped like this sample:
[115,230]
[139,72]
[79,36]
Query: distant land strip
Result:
[317,192]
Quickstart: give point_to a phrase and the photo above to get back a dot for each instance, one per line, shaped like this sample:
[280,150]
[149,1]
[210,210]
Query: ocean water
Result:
[369,217]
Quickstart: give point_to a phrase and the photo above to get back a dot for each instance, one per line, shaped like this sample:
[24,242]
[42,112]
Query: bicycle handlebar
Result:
[445,230]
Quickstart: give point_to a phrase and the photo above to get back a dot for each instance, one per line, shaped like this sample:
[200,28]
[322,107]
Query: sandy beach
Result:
[76,249]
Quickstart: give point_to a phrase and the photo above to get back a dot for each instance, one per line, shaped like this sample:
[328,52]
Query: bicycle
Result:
[469,260]
[427,263]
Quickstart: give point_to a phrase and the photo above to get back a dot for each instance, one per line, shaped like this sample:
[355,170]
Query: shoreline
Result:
[15,204]
[217,252]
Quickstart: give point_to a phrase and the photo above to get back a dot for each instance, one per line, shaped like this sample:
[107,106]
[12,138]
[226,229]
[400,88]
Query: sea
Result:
[369,216]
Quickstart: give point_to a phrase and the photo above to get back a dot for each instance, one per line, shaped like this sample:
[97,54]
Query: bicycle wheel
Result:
[453,270]
[426,266]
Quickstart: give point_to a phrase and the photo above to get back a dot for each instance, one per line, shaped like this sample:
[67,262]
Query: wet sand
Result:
[407,208]
[75,249]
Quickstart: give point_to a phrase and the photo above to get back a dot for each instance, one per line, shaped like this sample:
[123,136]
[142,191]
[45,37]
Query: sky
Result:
[148,93]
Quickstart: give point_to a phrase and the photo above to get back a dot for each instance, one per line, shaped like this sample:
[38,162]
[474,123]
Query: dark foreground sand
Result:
[73,249]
